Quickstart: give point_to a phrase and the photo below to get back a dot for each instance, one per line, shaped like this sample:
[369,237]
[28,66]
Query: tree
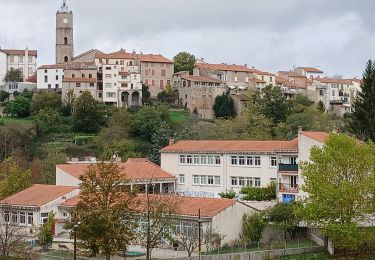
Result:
[3,95]
[13,76]
[253,226]
[158,213]
[19,107]
[299,104]
[189,238]
[340,181]
[159,140]
[259,193]
[105,210]
[45,100]
[48,166]
[283,217]
[363,124]
[45,236]
[87,116]
[273,103]
[146,122]
[228,194]
[68,105]
[145,94]
[212,239]
[184,61]
[12,238]
[12,178]
[224,106]
[320,107]
[48,120]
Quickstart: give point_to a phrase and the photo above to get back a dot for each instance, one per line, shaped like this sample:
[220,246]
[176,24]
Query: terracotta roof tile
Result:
[223,67]
[311,69]
[154,58]
[53,66]
[134,169]
[37,195]
[116,55]
[20,52]
[213,146]
[319,136]
[259,72]
[188,206]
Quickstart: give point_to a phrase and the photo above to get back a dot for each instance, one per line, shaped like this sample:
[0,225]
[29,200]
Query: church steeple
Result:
[64,34]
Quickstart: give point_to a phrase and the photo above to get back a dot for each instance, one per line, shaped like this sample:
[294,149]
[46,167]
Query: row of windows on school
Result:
[235,160]
[208,180]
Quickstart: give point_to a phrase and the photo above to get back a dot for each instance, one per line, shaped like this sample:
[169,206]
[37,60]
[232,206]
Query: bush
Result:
[228,195]
[259,194]
[19,107]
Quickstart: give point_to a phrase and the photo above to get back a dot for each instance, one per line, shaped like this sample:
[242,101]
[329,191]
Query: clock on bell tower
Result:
[64,34]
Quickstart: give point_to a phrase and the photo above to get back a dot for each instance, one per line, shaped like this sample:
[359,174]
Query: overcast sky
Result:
[336,35]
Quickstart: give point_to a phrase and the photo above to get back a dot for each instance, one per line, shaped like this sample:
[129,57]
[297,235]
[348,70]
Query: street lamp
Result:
[75,227]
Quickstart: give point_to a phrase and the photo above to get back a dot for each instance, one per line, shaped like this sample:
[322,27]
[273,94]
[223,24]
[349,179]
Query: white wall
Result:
[65,179]
[51,75]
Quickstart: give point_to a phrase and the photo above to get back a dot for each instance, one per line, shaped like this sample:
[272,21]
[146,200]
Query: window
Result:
[49,86]
[64,214]
[45,71]
[182,159]
[30,59]
[241,160]
[73,75]
[257,182]
[210,180]
[108,85]
[6,216]
[153,72]
[233,181]
[196,179]
[14,217]
[181,178]
[83,76]
[56,86]
[189,159]
[161,83]
[91,84]
[163,73]
[108,76]
[249,160]
[12,59]
[203,180]
[210,160]
[270,78]
[45,78]
[90,76]
[78,84]
[44,217]
[111,94]
[234,160]
[168,82]
[333,92]
[22,218]
[196,159]
[321,93]
[217,180]
[273,161]
[203,160]
[107,68]
[66,59]
[57,77]
[293,160]
[30,218]
[21,59]
[121,62]
[153,83]
[249,182]
[257,161]
[217,160]
[146,72]
[65,40]
[241,181]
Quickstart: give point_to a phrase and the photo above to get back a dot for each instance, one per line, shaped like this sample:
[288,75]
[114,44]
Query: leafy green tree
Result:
[45,236]
[320,107]
[48,166]
[13,76]
[184,61]
[48,120]
[283,216]
[19,107]
[3,95]
[146,122]
[273,103]
[228,194]
[340,181]
[27,94]
[224,106]
[159,140]
[363,117]
[44,100]
[258,193]
[87,116]
[145,94]
[12,178]
[105,210]
[299,104]
[253,226]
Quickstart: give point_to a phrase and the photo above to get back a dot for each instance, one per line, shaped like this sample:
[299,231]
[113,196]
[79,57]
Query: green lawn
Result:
[60,254]
[16,120]
[178,116]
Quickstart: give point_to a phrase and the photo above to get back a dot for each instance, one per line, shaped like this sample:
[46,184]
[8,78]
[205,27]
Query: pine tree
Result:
[363,117]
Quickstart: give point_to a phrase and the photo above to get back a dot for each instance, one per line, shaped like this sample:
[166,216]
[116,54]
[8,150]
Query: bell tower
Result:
[64,34]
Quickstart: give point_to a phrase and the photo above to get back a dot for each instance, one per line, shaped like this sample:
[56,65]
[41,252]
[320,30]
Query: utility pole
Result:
[199,234]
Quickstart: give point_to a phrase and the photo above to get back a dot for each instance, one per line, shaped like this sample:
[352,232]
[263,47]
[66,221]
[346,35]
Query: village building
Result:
[50,77]
[309,72]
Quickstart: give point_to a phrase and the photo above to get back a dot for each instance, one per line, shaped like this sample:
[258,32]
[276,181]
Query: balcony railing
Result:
[288,167]
[287,187]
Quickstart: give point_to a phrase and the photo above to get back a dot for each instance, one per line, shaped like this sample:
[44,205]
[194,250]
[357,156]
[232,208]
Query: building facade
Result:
[64,35]
[50,77]
[24,60]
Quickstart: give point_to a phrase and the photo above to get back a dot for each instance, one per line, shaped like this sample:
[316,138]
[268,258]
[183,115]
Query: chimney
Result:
[171,141]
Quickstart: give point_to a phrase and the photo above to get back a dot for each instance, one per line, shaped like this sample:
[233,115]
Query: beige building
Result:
[64,34]
[266,77]
[198,93]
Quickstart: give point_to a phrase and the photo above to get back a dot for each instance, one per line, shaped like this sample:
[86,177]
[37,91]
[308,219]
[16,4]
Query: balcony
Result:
[287,187]
[289,168]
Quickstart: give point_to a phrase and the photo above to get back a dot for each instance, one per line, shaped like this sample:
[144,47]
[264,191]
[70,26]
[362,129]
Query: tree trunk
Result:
[107,256]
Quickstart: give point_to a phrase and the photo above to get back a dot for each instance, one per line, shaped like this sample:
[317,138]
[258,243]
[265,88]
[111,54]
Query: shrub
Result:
[259,194]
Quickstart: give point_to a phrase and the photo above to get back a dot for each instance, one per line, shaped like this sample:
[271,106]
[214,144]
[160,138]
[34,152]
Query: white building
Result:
[50,77]
[206,168]
[30,207]
[24,60]
[310,72]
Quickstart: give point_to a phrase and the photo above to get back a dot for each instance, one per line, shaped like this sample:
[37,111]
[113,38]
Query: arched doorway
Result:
[125,99]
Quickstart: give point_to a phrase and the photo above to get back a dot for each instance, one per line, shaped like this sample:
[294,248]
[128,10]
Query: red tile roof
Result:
[37,195]
[259,72]
[20,52]
[53,66]
[311,69]
[291,74]
[334,80]
[319,136]
[255,80]
[80,80]
[134,169]
[188,206]
[201,79]
[153,58]
[223,67]
[116,55]
[213,146]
